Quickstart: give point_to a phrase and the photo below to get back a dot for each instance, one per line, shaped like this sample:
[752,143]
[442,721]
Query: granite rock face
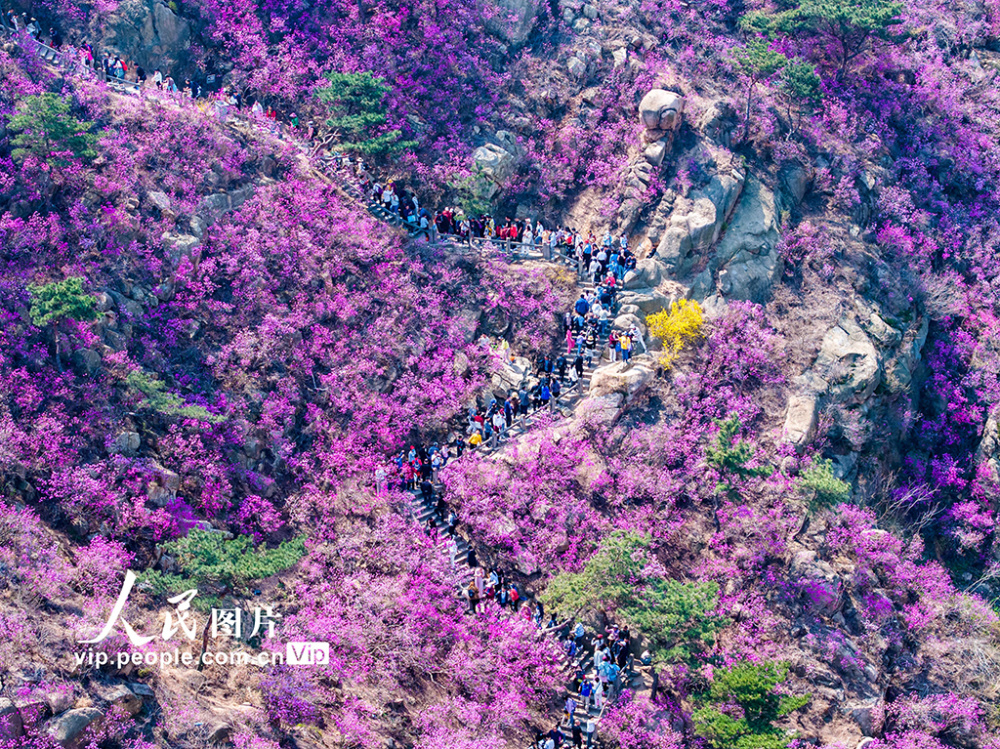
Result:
[149,33]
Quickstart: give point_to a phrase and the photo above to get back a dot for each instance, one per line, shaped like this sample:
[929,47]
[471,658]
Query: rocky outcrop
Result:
[626,378]
[162,489]
[511,20]
[149,33]
[746,258]
[796,180]
[863,354]
[510,375]
[697,221]
[848,366]
[126,443]
[492,165]
[125,700]
[179,246]
[211,207]
[661,114]
[717,121]
[602,409]
[820,586]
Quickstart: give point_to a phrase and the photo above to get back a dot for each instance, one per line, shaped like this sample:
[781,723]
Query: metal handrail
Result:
[65,60]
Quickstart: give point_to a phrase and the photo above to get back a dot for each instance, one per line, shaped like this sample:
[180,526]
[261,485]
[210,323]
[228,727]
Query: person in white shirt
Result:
[498,424]
[602,319]
[595,269]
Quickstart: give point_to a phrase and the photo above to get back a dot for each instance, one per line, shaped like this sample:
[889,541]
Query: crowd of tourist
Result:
[222,100]
[596,260]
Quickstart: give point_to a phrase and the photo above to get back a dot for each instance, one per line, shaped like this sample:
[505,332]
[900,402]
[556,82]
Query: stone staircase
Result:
[424,510]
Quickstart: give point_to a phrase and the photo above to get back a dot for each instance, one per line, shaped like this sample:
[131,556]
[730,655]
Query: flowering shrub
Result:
[635,723]
[681,325]
[30,560]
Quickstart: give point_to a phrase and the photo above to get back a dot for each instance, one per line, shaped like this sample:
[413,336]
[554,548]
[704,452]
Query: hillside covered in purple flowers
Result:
[620,373]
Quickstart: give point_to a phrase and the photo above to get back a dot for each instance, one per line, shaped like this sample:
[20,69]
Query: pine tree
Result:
[848,24]
[58,301]
[751,687]
[46,129]
[357,117]
[800,85]
[756,62]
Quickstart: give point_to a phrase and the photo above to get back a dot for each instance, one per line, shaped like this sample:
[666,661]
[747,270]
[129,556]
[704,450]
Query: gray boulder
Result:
[900,368]
[655,152]
[626,378]
[576,67]
[647,274]
[126,443]
[800,420]
[661,110]
[717,121]
[628,320]
[59,701]
[511,374]
[647,301]
[163,488]
[751,275]
[692,227]
[159,200]
[864,714]
[824,594]
[880,330]
[796,180]
[747,253]
[492,165]
[696,222]
[602,409]
[11,725]
[68,728]
[211,207]
[180,245]
[754,222]
[87,361]
[848,362]
[124,698]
